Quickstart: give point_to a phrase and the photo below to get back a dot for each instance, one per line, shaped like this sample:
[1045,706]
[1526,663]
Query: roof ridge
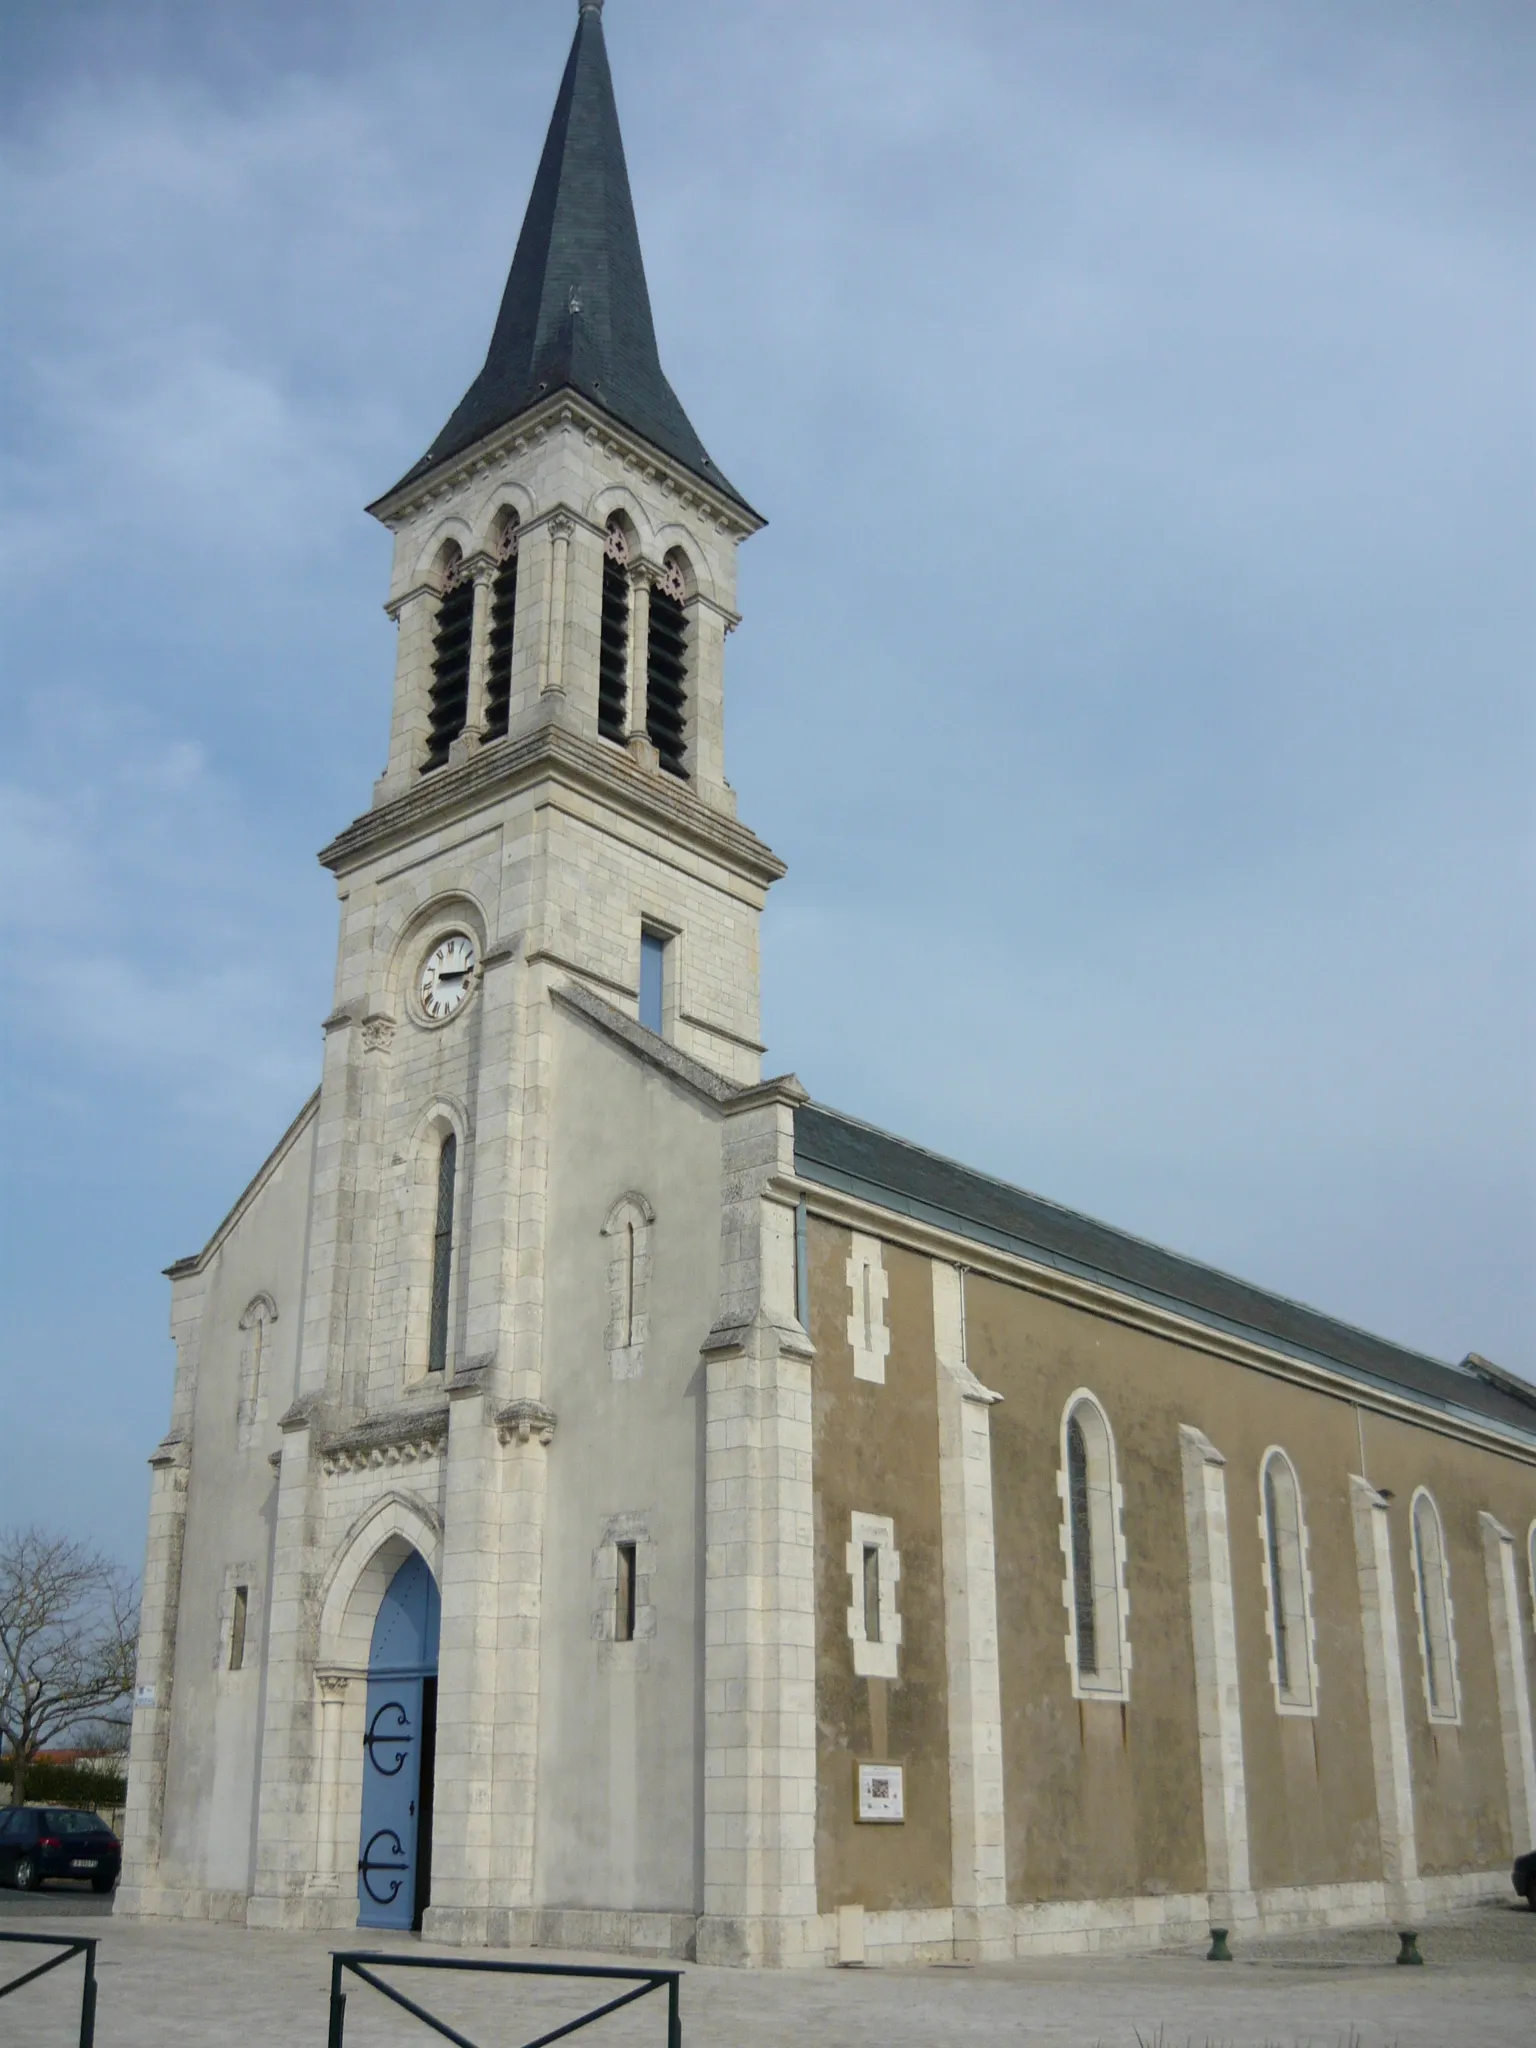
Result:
[1214,1291]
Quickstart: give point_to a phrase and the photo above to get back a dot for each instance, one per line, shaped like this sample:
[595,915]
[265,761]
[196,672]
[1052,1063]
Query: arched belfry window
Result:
[498,673]
[1092,1542]
[666,668]
[442,1255]
[1432,1584]
[449,697]
[613,650]
[1288,1583]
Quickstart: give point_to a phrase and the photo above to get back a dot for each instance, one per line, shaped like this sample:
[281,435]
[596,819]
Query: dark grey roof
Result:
[576,313]
[839,1152]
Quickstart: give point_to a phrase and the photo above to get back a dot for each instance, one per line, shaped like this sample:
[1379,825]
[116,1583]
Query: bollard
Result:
[1219,1952]
[1408,1950]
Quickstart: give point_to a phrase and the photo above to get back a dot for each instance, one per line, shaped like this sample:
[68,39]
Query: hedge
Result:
[70,1784]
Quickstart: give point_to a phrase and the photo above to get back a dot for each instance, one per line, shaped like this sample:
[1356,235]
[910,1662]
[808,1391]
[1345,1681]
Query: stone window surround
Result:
[629,1526]
[247,1575]
[1442,1716]
[1111,1604]
[629,1293]
[868,1291]
[658,925]
[418,1222]
[877,1533]
[1301,1699]
[255,1348]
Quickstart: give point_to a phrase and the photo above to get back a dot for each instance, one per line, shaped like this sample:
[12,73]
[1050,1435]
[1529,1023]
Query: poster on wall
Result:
[882,1792]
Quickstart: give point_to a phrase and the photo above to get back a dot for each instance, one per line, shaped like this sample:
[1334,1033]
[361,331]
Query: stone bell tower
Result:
[554,814]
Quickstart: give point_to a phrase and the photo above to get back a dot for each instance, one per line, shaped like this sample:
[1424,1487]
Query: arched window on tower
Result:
[1098,1648]
[666,667]
[1432,1582]
[255,1369]
[449,697]
[628,1231]
[498,674]
[1288,1581]
[613,650]
[442,1255]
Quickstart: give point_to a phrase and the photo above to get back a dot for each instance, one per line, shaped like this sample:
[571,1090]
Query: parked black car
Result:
[1525,1877]
[38,1842]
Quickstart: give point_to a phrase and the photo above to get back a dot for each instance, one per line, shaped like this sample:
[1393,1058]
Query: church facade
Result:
[612,1500]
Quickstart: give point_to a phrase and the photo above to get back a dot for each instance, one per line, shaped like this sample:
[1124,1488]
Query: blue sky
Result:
[1136,673]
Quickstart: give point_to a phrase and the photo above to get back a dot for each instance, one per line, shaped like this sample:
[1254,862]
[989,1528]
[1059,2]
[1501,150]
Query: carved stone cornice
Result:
[567,412]
[402,1436]
[378,1032]
[394,606]
[526,1422]
[594,767]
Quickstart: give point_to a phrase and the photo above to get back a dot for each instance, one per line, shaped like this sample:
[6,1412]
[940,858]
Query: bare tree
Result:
[68,1635]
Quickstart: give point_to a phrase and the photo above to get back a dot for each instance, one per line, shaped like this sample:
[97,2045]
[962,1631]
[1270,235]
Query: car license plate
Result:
[83,1863]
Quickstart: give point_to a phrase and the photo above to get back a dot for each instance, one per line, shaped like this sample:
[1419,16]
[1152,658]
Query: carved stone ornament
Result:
[378,1033]
[562,525]
[616,546]
[669,581]
[453,573]
[333,1685]
[506,546]
[526,1421]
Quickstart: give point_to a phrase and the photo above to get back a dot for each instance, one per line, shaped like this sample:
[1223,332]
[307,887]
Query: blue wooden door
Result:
[395,1743]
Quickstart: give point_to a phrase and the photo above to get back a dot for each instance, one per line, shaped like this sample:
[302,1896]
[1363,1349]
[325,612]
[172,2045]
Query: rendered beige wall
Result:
[1460,1803]
[877,1452]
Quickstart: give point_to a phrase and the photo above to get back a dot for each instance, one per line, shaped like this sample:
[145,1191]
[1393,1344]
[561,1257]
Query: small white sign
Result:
[882,1794]
[144,1696]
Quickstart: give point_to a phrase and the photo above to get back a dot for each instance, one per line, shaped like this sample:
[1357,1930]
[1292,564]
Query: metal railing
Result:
[358,1961]
[68,1949]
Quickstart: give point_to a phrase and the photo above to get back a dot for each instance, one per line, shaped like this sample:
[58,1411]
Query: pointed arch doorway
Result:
[394,1864]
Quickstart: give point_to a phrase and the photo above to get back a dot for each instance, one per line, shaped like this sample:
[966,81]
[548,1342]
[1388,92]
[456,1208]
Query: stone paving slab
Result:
[187,1985]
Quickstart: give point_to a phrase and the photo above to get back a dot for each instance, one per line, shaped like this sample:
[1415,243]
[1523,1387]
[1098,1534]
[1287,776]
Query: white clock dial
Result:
[447,976]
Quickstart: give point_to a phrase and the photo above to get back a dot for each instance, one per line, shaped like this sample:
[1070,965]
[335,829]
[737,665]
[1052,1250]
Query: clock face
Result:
[447,976]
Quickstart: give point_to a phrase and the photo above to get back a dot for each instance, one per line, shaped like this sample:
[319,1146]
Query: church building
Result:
[613,1500]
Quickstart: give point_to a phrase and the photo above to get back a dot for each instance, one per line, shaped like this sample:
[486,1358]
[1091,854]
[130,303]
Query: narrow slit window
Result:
[613,646]
[871,1593]
[449,699]
[1434,1592]
[498,674]
[1290,1599]
[629,1283]
[666,672]
[1083,1601]
[1277,1584]
[624,1594]
[1093,1551]
[237,1628]
[653,977]
[442,1255]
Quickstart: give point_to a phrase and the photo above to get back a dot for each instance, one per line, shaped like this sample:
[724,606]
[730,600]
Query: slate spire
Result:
[576,312]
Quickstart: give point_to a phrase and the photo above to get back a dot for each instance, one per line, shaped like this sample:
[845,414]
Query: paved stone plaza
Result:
[172,1983]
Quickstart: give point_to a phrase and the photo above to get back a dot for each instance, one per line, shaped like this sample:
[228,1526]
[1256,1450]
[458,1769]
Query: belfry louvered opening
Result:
[498,673]
[613,653]
[449,705]
[666,699]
